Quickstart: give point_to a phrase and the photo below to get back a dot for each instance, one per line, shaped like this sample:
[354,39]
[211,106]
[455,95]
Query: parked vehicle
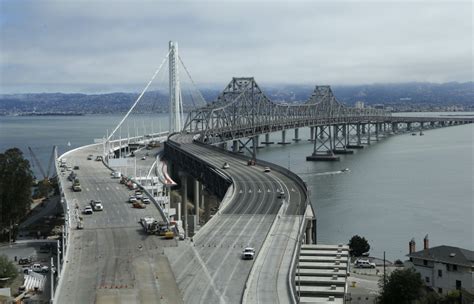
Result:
[88,210]
[98,158]
[225,166]
[80,225]
[24,261]
[90,156]
[116,174]
[146,200]
[139,205]
[266,169]
[97,205]
[132,199]
[76,167]
[38,268]
[364,264]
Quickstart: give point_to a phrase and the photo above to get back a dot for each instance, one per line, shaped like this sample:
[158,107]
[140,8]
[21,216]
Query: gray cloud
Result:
[116,45]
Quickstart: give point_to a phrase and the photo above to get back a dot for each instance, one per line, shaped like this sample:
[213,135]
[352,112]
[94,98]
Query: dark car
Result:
[24,261]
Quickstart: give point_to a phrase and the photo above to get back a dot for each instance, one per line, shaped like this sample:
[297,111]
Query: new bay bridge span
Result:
[204,179]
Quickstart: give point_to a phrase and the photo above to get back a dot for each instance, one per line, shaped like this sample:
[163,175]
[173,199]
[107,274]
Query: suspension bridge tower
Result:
[175,91]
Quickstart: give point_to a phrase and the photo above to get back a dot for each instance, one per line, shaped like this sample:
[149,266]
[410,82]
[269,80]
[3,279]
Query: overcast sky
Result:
[102,46]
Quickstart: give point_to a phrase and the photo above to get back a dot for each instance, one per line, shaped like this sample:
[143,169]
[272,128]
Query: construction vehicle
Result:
[152,226]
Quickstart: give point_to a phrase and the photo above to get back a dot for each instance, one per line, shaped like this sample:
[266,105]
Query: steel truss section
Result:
[323,145]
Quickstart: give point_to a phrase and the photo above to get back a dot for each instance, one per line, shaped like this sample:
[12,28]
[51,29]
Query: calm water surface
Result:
[402,187]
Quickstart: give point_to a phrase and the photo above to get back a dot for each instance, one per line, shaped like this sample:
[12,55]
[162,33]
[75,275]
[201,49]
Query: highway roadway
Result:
[209,269]
[111,260]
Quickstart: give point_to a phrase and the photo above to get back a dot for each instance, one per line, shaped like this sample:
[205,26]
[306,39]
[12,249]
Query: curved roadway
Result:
[210,269]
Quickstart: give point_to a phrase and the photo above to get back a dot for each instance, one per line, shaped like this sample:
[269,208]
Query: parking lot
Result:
[25,255]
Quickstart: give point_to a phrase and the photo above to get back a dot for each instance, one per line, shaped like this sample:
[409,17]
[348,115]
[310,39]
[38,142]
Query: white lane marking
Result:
[259,191]
[117,188]
[268,190]
[97,189]
[87,189]
[250,190]
[106,188]
[240,191]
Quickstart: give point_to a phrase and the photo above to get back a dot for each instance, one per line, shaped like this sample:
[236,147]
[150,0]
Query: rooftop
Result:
[446,254]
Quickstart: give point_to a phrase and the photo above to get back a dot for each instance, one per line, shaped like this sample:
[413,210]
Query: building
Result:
[443,268]
[359,105]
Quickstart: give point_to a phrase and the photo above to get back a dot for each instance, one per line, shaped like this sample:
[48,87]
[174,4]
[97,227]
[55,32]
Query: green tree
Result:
[7,270]
[401,287]
[358,245]
[16,180]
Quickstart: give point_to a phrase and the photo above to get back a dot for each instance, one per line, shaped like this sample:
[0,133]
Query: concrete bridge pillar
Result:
[408,126]
[297,138]
[184,194]
[377,130]
[311,133]
[235,146]
[267,139]
[197,195]
[254,146]
[283,138]
[364,128]
[422,124]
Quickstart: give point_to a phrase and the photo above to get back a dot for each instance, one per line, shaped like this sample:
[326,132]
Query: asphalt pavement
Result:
[111,260]
[210,268]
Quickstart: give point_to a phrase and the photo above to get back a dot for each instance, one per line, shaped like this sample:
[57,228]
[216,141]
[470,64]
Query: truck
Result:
[76,185]
[152,226]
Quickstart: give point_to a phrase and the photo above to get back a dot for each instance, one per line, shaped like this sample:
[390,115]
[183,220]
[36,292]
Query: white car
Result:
[38,268]
[146,200]
[132,199]
[364,264]
[248,253]
[97,205]
[144,157]
[138,194]
[266,169]
[225,166]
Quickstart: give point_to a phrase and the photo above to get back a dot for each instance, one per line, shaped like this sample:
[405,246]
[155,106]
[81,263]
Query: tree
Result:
[401,287]
[7,270]
[16,180]
[358,245]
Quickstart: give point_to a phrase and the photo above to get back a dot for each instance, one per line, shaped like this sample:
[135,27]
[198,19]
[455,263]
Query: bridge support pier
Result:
[267,140]
[356,142]
[323,148]
[235,146]
[283,138]
[256,142]
[340,142]
[311,133]
[184,193]
[297,137]
[197,196]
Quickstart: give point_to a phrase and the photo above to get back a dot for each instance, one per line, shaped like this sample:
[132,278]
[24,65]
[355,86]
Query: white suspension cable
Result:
[139,97]
[192,81]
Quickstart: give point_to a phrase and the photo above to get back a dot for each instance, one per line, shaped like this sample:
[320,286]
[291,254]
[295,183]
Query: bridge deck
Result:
[210,269]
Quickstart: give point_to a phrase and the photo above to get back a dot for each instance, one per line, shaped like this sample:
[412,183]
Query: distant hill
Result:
[395,95]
